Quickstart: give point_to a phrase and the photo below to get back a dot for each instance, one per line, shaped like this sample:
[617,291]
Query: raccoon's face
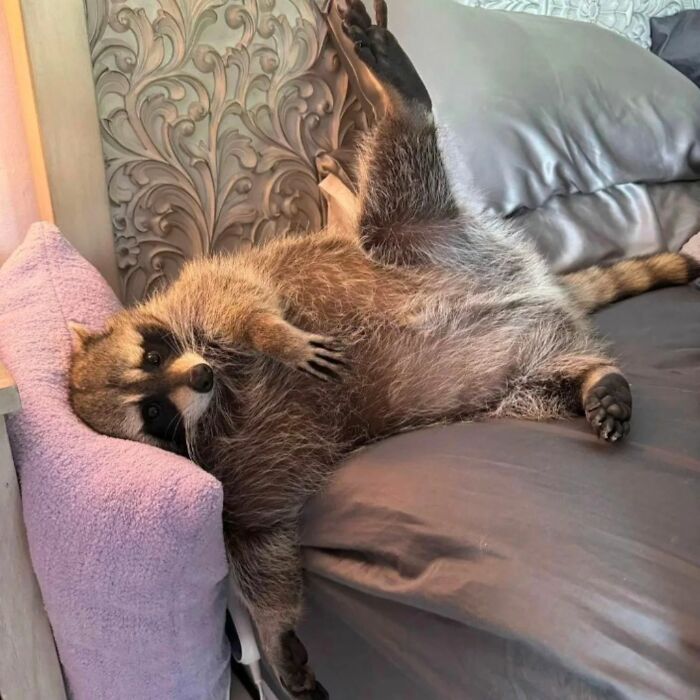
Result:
[134,381]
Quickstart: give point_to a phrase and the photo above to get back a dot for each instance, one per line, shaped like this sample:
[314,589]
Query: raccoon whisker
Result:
[177,421]
[190,446]
[201,427]
[191,440]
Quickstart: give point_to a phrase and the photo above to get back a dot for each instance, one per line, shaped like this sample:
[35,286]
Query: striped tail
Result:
[603,284]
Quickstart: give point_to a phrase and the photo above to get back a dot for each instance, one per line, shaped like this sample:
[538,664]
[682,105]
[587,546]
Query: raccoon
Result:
[267,367]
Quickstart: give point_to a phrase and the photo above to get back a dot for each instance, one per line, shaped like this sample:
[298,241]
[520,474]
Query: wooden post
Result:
[29,668]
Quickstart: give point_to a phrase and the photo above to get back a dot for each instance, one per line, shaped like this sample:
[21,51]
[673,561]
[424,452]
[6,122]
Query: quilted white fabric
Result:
[627,17]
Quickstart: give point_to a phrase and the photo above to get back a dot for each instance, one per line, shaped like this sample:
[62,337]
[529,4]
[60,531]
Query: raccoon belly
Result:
[417,378]
[458,356]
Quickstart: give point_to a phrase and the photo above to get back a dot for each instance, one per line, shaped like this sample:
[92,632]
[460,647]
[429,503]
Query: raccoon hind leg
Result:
[408,213]
[587,384]
[267,568]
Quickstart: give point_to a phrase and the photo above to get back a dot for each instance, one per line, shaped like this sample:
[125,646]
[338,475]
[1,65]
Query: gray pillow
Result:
[538,106]
[618,222]
[676,40]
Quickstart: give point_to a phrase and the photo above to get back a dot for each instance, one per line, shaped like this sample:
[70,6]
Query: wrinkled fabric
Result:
[125,539]
[676,39]
[512,559]
[622,221]
[539,106]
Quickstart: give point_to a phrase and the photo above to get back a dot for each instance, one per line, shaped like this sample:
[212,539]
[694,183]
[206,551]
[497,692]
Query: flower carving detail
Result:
[127,250]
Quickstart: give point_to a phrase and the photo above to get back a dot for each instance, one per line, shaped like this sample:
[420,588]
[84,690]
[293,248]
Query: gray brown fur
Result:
[442,314]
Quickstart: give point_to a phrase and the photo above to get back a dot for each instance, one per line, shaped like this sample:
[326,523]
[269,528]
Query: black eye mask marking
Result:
[159,347]
[162,420]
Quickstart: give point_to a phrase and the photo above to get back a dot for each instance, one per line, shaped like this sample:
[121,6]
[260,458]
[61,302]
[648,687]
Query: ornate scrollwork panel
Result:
[218,119]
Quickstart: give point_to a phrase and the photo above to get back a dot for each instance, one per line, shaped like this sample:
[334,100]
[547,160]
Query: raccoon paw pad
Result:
[317,692]
[608,407]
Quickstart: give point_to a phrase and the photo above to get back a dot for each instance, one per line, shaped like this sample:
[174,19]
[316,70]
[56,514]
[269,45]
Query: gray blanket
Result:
[522,560]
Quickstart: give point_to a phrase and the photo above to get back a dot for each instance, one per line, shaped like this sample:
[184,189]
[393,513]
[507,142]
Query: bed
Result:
[483,560]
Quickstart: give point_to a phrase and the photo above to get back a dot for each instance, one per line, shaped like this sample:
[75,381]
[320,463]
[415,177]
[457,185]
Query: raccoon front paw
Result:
[318,355]
[608,407]
[321,357]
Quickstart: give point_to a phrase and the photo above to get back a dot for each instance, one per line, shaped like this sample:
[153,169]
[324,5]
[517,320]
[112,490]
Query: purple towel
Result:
[125,539]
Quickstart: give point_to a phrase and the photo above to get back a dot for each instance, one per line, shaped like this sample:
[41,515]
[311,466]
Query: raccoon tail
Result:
[600,285]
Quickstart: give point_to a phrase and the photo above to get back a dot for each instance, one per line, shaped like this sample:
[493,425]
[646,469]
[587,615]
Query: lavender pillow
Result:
[125,539]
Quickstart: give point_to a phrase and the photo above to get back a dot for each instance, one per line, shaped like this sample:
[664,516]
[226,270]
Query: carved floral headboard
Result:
[218,120]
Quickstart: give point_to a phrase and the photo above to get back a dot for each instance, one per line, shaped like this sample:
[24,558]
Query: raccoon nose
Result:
[201,378]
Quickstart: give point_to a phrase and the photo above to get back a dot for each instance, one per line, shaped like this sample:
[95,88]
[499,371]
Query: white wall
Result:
[18,203]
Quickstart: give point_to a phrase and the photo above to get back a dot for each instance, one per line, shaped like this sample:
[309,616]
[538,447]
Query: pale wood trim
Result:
[9,396]
[30,120]
[59,57]
[29,665]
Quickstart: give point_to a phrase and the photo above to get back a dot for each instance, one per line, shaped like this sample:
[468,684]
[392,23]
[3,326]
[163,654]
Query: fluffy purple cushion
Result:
[125,539]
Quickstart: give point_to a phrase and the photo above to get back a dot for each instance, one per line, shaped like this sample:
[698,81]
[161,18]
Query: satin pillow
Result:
[538,106]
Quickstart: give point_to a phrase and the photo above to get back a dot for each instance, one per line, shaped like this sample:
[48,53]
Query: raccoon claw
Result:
[608,407]
[323,359]
[354,14]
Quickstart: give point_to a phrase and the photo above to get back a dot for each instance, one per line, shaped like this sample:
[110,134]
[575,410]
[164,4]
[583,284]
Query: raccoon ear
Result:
[79,335]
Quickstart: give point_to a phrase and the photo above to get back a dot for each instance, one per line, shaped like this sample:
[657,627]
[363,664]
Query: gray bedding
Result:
[539,106]
[522,560]
[591,142]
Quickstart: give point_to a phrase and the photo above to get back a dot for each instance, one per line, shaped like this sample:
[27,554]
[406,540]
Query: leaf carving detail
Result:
[214,115]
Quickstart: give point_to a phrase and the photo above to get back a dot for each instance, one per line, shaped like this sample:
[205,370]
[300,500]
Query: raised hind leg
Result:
[408,213]
[587,384]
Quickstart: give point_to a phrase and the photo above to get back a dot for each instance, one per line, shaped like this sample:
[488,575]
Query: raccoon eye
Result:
[152,411]
[153,358]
